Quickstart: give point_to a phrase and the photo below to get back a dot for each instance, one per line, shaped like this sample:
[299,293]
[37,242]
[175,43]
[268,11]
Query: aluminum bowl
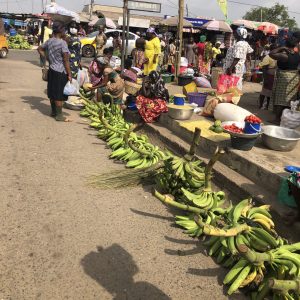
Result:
[73,106]
[183,112]
[280,138]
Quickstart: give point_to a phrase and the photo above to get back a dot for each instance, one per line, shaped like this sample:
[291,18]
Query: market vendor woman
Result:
[59,69]
[287,77]
[111,83]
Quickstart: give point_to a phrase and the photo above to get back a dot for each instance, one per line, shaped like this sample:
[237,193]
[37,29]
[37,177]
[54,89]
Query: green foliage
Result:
[277,14]
[18,42]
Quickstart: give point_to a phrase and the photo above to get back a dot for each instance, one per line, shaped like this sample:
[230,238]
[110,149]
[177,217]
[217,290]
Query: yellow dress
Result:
[152,48]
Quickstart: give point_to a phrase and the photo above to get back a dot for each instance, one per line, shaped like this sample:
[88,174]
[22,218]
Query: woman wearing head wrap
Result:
[204,55]
[152,51]
[237,55]
[59,69]
[111,83]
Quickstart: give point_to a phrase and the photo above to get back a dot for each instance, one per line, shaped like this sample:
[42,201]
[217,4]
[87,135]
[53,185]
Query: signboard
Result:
[144,6]
[133,22]
[197,22]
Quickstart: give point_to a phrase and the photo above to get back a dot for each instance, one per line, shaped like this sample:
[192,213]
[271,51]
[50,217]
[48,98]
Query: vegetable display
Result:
[253,119]
[18,42]
[241,237]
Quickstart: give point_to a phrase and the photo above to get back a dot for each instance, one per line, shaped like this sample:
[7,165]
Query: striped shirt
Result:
[55,49]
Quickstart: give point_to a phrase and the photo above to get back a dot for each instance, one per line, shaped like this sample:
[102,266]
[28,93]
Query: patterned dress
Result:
[240,51]
[75,56]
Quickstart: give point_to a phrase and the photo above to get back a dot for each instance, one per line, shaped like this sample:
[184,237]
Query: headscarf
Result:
[242,32]
[103,60]
[202,38]
[151,30]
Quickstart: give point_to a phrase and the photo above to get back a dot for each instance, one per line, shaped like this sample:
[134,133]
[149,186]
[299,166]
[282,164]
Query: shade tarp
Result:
[246,23]
[217,26]
[268,28]
[174,21]
[135,22]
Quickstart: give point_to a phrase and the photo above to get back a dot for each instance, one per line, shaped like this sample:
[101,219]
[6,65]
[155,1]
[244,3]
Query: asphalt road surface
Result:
[61,238]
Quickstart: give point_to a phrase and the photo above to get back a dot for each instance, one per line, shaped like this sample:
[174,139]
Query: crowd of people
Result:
[154,52]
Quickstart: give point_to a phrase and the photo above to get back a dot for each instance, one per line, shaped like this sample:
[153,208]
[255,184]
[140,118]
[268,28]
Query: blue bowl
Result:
[132,106]
[179,99]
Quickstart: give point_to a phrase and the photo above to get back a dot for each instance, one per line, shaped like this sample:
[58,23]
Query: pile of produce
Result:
[216,127]
[241,237]
[18,42]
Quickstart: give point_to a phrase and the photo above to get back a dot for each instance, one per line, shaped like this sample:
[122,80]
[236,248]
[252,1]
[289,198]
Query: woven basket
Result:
[132,88]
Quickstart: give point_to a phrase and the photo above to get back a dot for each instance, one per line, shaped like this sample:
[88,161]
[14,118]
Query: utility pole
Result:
[187,10]
[261,14]
[91,9]
[125,9]
[127,32]
[179,35]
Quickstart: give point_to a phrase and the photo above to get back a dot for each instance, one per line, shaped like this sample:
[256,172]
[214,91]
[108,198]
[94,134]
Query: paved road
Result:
[62,239]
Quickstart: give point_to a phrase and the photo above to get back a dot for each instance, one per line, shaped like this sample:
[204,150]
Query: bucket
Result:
[251,128]
[167,78]
[198,98]
[184,80]
[241,143]
[179,99]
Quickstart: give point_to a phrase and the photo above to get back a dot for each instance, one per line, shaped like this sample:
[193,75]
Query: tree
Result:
[277,14]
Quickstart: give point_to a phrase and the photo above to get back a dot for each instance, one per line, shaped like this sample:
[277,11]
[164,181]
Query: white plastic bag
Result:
[83,77]
[71,88]
[290,119]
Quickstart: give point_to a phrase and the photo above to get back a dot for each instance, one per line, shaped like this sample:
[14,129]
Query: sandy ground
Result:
[62,239]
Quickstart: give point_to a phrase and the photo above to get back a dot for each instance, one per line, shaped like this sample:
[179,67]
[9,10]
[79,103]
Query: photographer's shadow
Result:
[114,268]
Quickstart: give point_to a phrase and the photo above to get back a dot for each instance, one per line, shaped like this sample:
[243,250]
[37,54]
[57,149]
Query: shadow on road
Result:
[34,62]
[37,103]
[113,268]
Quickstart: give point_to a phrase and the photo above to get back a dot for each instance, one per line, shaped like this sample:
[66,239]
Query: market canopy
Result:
[246,23]
[268,28]
[217,26]
[173,22]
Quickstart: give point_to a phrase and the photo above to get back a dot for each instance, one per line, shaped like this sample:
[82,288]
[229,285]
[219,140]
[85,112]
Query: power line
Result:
[255,5]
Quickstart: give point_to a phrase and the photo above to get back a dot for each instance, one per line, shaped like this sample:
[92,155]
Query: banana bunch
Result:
[86,94]
[281,289]
[289,261]
[205,199]
[192,228]
[149,154]
[179,173]
[242,274]
[90,109]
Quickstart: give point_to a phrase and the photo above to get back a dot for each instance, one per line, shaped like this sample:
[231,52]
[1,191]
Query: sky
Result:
[207,8]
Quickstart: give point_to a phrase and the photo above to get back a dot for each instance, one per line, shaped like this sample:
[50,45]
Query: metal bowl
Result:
[73,106]
[183,112]
[240,125]
[280,138]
